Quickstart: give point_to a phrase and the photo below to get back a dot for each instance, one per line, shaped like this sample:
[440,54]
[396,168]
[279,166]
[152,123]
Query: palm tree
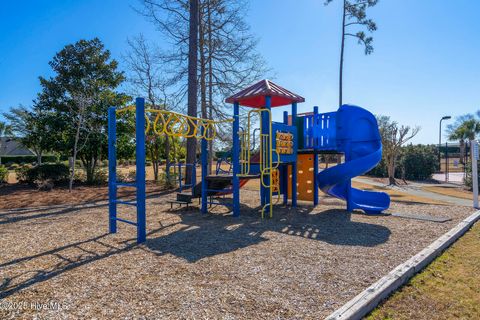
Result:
[465,128]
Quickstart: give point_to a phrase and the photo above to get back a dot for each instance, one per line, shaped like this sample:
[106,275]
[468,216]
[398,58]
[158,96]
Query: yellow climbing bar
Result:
[177,124]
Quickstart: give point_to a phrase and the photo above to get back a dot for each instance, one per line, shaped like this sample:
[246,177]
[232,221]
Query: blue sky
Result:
[425,65]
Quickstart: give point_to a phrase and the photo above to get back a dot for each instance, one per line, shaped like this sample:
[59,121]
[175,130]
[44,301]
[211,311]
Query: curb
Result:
[368,299]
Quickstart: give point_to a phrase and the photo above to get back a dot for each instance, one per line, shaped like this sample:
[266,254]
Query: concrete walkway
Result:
[416,189]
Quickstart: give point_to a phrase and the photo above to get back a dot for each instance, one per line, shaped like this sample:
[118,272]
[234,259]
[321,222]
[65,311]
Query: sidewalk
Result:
[415,189]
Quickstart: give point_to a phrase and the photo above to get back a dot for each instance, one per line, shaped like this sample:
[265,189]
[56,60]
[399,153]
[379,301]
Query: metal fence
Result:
[454,158]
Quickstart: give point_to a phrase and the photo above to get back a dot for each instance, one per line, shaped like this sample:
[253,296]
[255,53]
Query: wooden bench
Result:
[178,202]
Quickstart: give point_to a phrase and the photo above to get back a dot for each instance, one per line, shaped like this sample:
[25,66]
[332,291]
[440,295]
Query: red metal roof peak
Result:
[254,95]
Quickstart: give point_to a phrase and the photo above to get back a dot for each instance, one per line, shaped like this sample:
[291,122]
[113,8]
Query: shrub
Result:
[415,162]
[3,174]
[56,172]
[379,171]
[419,162]
[132,175]
[79,176]
[28,159]
[44,185]
[468,177]
[21,172]
[13,166]
[100,177]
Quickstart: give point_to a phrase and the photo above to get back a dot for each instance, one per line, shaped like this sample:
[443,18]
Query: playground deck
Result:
[302,264]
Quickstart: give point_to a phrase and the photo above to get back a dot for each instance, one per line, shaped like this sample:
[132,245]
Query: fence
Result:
[453,158]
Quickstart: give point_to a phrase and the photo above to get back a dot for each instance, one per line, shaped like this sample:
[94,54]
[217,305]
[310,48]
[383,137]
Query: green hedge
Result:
[419,162]
[415,162]
[56,172]
[468,177]
[27,159]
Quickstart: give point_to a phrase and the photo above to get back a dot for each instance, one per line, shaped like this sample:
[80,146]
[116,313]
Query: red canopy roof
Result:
[254,96]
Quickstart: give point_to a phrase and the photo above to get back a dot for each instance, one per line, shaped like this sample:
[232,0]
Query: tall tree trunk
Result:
[75,150]
[210,86]
[192,81]
[340,83]
[340,80]
[203,72]
[167,153]
[391,169]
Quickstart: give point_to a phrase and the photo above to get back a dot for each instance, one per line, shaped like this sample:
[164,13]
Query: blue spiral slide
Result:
[358,137]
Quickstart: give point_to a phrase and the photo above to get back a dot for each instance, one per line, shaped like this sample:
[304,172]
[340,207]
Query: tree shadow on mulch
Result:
[22,214]
[202,236]
[12,284]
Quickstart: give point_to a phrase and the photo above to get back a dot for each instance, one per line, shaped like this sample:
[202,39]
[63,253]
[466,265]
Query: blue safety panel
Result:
[281,127]
[319,131]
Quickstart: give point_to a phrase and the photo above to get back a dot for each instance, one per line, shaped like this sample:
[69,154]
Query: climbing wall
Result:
[304,178]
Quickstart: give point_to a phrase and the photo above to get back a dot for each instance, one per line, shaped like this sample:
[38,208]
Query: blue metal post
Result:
[315,156]
[348,183]
[284,169]
[180,177]
[140,174]
[294,165]
[265,192]
[204,172]
[236,160]
[112,170]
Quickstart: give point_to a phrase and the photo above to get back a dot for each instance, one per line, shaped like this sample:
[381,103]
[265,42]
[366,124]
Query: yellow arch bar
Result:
[178,125]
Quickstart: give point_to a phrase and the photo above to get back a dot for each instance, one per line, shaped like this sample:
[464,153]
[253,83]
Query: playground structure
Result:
[351,131]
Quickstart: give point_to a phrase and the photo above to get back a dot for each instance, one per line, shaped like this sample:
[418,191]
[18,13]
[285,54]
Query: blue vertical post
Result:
[284,169]
[236,160]
[265,192]
[180,177]
[112,170]
[140,170]
[294,165]
[204,172]
[348,184]
[315,156]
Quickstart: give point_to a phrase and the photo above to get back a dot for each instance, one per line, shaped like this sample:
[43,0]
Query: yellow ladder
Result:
[266,157]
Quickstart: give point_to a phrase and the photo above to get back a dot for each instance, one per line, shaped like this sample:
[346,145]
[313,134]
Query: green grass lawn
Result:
[449,288]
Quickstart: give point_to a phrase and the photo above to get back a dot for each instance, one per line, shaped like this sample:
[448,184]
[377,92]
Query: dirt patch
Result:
[303,263]
[23,196]
[396,195]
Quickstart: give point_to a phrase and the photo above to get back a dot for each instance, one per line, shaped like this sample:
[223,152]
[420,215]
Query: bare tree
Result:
[226,50]
[394,136]
[146,66]
[354,14]
[80,106]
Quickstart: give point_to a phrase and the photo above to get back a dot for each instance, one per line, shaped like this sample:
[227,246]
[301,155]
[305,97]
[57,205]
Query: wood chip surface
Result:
[61,263]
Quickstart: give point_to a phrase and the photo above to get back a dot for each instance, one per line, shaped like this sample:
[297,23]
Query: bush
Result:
[100,177]
[28,159]
[3,174]
[468,177]
[415,162]
[21,172]
[379,171]
[56,172]
[419,162]
[79,176]
[13,166]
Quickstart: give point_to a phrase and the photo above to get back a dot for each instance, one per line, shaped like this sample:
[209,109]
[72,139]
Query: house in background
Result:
[11,147]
